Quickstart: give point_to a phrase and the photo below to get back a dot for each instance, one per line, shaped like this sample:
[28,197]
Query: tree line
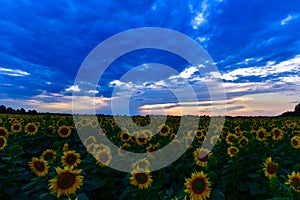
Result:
[10,110]
[296,111]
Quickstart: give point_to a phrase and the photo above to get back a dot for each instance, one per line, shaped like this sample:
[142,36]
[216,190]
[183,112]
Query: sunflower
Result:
[277,134]
[243,141]
[16,127]
[89,140]
[141,178]
[294,181]
[103,157]
[3,142]
[151,148]
[125,136]
[51,130]
[201,156]
[66,147]
[230,138]
[49,155]
[164,130]
[67,181]
[295,141]
[101,147]
[123,148]
[31,129]
[199,134]
[214,139]
[198,186]
[39,166]
[71,158]
[148,134]
[232,151]
[141,164]
[261,134]
[64,131]
[3,131]
[270,168]
[94,123]
[141,139]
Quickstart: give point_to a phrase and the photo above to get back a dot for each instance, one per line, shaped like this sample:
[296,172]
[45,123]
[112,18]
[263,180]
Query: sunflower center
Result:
[261,135]
[31,128]
[64,131]
[198,186]
[295,142]
[125,136]
[71,159]
[296,183]
[233,151]
[272,168]
[141,178]
[103,157]
[164,130]
[16,127]
[141,139]
[39,166]
[2,142]
[203,156]
[3,132]
[49,156]
[66,180]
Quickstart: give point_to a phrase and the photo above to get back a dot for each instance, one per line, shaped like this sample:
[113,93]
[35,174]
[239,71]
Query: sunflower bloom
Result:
[71,158]
[39,166]
[294,181]
[3,142]
[49,155]
[16,127]
[261,134]
[270,168]
[31,129]
[141,178]
[3,131]
[67,181]
[164,130]
[277,134]
[198,186]
[295,141]
[201,156]
[103,157]
[64,131]
[232,151]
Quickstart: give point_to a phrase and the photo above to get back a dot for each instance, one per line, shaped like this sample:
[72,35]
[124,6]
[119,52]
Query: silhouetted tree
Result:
[297,109]
[2,109]
[9,110]
[22,111]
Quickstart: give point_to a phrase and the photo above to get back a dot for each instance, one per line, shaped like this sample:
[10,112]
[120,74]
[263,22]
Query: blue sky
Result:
[254,44]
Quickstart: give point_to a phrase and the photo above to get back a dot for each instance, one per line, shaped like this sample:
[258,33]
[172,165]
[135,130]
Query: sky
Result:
[255,46]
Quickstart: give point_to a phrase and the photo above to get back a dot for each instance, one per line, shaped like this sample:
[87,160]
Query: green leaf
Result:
[217,195]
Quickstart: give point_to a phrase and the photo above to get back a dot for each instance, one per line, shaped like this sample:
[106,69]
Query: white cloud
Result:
[93,91]
[13,72]
[200,17]
[263,71]
[187,73]
[73,88]
[285,20]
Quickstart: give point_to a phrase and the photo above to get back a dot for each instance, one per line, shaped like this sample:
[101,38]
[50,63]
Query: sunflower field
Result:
[43,157]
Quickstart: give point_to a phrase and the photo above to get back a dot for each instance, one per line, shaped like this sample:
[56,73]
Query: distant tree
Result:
[297,109]
[2,109]
[22,111]
[9,110]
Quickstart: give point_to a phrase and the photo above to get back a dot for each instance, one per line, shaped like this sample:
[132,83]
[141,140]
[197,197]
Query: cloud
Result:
[285,20]
[13,72]
[292,65]
[73,88]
